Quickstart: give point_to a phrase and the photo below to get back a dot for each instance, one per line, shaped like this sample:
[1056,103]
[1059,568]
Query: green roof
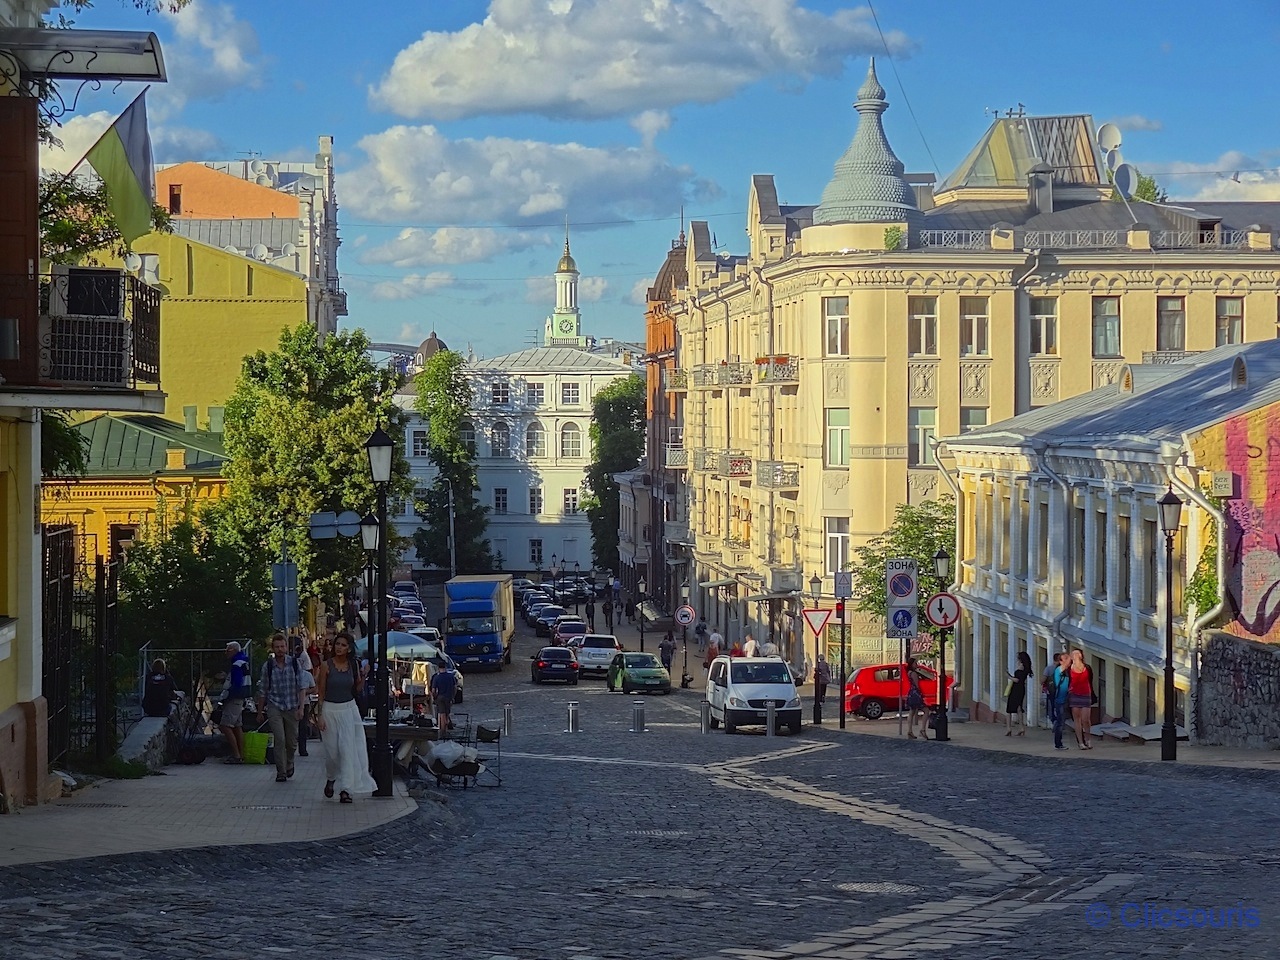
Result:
[133,445]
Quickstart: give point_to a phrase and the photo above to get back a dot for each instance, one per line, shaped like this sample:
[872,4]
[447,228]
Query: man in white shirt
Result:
[750,648]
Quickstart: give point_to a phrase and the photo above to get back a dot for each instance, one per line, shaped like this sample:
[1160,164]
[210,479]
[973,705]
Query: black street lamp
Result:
[369,540]
[1170,521]
[577,575]
[380,448]
[685,679]
[640,610]
[555,572]
[942,570]
[815,591]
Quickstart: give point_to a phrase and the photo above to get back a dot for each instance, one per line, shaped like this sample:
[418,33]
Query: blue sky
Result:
[467,131]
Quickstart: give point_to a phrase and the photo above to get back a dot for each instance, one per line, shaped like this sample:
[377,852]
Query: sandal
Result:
[911,736]
[328,789]
[345,797]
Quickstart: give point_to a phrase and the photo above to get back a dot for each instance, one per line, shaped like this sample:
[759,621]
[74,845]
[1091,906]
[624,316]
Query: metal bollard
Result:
[705,710]
[508,719]
[637,716]
[574,727]
[771,720]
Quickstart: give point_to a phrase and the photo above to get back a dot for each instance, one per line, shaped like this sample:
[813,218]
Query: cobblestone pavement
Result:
[671,844]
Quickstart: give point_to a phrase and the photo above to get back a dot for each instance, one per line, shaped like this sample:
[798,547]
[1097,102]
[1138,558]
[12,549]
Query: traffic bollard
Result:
[508,719]
[771,721]
[573,718]
[817,711]
[705,710]
[637,716]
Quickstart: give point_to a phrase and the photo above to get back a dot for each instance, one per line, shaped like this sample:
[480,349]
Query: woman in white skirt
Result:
[346,754]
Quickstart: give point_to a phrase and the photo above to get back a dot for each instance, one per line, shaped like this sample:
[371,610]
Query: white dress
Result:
[346,750]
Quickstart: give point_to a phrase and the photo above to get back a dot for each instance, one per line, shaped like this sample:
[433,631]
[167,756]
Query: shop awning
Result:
[712,584]
[762,597]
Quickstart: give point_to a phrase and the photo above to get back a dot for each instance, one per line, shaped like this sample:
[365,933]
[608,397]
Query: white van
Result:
[740,690]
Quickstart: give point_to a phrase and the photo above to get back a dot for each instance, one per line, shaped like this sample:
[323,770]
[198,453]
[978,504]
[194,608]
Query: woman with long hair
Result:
[1016,701]
[916,707]
[1080,698]
[346,753]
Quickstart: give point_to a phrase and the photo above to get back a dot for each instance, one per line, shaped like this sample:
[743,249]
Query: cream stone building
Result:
[814,373]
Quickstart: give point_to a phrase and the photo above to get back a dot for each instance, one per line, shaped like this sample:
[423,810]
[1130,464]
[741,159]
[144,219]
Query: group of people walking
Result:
[1068,691]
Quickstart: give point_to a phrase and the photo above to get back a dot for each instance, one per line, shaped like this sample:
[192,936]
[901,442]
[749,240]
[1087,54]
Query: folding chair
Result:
[489,738]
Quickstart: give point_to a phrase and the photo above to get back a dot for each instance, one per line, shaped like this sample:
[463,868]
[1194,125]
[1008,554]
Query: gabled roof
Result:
[1160,403]
[550,360]
[1013,145]
[137,444]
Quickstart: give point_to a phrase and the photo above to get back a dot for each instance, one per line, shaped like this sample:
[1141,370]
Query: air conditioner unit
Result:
[86,292]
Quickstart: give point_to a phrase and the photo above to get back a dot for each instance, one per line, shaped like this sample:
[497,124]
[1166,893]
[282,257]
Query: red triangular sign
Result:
[817,619]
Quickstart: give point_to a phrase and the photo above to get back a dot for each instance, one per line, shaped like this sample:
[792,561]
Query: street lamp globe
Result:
[380,447]
[1170,511]
[369,530]
[641,585]
[684,591]
[815,588]
[942,563]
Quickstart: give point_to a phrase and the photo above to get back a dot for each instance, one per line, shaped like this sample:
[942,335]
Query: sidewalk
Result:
[212,804]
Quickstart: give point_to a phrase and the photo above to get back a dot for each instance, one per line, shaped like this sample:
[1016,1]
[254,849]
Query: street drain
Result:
[94,806]
[269,806]
[884,887]
[656,833]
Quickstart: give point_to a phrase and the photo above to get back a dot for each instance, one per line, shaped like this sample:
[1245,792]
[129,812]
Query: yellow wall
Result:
[93,506]
[218,307]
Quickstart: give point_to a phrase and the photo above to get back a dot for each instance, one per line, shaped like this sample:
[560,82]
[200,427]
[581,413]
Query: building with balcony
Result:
[1061,544]
[898,310]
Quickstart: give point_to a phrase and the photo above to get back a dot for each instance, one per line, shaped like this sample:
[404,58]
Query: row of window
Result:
[535,440]
[535,394]
[922,424]
[975,324]
[502,500]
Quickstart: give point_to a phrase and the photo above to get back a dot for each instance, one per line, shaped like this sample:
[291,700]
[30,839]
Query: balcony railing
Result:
[676,456]
[1181,239]
[706,375]
[705,459]
[737,543]
[1074,239]
[776,475]
[779,369]
[1167,356]
[675,379]
[733,463]
[97,327]
[956,239]
[735,374]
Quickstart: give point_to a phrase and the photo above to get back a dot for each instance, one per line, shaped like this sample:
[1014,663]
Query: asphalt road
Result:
[672,844]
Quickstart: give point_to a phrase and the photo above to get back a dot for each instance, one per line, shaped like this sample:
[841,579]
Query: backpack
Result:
[444,685]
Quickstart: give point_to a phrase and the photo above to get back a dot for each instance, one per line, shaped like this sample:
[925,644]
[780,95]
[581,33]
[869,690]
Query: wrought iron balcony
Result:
[675,456]
[705,459]
[734,374]
[705,375]
[779,369]
[733,463]
[1167,356]
[776,475]
[737,543]
[675,379]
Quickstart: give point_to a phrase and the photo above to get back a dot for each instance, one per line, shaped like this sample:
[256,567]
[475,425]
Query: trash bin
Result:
[938,722]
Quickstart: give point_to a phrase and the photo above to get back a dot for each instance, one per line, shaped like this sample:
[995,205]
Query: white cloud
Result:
[543,289]
[77,135]
[410,286]
[640,292]
[649,124]
[1231,176]
[211,54]
[417,174]
[176,144]
[414,247]
[1137,122]
[600,58]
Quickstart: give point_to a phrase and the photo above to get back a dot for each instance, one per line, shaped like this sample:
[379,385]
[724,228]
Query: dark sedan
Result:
[546,618]
[555,663]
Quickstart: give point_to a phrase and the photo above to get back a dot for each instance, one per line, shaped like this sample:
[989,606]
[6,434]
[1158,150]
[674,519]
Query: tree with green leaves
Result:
[444,398]
[617,445]
[76,223]
[295,430]
[919,531]
[1148,188]
[62,447]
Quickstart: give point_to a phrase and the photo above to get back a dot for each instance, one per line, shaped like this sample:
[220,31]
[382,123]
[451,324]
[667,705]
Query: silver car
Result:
[596,651]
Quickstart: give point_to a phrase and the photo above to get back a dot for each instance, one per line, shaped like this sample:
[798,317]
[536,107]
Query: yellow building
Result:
[135,464]
[820,367]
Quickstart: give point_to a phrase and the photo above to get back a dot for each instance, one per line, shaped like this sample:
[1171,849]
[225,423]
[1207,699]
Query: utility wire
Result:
[905,99]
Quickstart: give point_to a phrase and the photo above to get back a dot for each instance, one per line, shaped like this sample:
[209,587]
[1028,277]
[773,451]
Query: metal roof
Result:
[272,232]
[551,360]
[137,445]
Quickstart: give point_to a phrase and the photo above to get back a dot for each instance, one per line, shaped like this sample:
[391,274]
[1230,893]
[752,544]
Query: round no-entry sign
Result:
[943,609]
[684,615]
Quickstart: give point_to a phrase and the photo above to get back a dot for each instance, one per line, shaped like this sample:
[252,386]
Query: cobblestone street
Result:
[672,844]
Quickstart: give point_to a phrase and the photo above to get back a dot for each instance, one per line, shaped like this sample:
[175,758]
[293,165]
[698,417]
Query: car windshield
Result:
[468,625]
[773,671]
[607,642]
[572,627]
[641,661]
[556,653]
[550,613]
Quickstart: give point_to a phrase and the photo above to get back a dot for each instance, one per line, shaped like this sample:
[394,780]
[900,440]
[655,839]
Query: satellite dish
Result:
[132,262]
[1125,179]
[1114,159]
[288,250]
[259,251]
[262,180]
[232,248]
[257,166]
[1109,137]
[150,269]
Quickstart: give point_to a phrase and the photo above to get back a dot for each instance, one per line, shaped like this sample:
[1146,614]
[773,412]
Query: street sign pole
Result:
[843,591]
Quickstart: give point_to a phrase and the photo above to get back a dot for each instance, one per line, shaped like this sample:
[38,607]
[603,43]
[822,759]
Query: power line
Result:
[901,88]
[559,225]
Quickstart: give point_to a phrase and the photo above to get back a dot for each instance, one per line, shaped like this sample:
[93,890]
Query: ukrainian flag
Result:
[122,158]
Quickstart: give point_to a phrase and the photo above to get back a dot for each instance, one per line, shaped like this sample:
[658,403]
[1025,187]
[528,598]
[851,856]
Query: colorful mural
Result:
[1249,446]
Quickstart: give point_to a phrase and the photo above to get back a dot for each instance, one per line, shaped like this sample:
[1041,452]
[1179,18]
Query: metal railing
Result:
[776,475]
[1167,356]
[705,459]
[706,375]
[735,374]
[733,463]
[1182,239]
[1074,239]
[675,379]
[956,239]
[675,456]
[737,543]
[779,369]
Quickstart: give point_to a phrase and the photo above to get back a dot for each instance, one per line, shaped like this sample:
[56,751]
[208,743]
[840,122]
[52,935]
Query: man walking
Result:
[280,698]
[821,678]
[239,688]
[667,651]
[1058,687]
[591,615]
[607,607]
[700,631]
[443,688]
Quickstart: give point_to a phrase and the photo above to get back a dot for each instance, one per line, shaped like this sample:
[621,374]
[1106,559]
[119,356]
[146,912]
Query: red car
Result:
[873,690]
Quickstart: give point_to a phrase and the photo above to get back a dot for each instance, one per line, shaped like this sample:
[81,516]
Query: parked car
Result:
[521,584]
[408,621]
[429,634]
[546,618]
[412,604]
[741,689]
[555,663]
[407,587]
[873,690]
[566,629]
[534,611]
[638,673]
[596,652]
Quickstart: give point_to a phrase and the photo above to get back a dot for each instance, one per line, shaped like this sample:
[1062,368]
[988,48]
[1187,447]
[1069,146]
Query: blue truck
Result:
[479,620]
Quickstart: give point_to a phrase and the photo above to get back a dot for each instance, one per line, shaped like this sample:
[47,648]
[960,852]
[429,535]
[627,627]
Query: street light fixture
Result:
[577,575]
[555,572]
[815,591]
[369,540]
[815,588]
[942,570]
[380,449]
[685,679]
[1170,521]
[640,610]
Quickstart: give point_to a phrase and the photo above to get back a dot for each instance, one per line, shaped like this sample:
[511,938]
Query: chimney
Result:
[215,419]
[189,419]
[1040,188]
[175,458]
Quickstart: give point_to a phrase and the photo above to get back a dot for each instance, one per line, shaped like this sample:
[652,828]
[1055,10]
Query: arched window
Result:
[501,440]
[467,434]
[570,441]
[535,441]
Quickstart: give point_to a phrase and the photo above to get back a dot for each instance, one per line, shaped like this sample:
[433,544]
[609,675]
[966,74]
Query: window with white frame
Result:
[1171,323]
[500,392]
[467,434]
[535,500]
[971,418]
[837,437]
[835,314]
[500,442]
[1106,327]
[535,553]
[570,394]
[837,534]
[535,394]
[1044,326]
[570,441]
[1230,320]
[420,448]
[535,441]
[922,326]
[974,327]
[499,499]
[570,500]
[922,425]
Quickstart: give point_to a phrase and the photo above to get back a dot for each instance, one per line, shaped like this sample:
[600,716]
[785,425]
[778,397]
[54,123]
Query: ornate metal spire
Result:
[566,262]
[868,185]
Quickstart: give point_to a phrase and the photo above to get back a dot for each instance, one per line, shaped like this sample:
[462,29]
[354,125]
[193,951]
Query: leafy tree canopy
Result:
[295,432]
[617,444]
[62,447]
[76,223]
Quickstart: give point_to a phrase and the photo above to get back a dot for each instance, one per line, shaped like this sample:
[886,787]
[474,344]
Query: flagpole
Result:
[71,170]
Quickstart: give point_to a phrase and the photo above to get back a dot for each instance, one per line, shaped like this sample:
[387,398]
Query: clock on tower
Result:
[566,325]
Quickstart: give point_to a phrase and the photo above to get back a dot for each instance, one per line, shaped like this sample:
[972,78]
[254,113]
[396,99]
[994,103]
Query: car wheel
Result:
[729,726]
[873,709]
[666,692]
[506,658]
[794,727]
[457,697]
[610,687]
[573,682]
[713,722]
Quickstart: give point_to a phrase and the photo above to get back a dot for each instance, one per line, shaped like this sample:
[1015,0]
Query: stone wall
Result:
[154,741]
[1239,692]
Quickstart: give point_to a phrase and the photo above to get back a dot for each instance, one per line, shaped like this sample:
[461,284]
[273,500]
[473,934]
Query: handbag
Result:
[1008,688]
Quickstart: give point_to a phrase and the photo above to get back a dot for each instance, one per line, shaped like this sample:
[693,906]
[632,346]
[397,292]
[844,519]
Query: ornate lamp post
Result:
[369,540]
[577,575]
[380,449]
[942,570]
[685,679]
[640,589]
[555,572]
[1170,520]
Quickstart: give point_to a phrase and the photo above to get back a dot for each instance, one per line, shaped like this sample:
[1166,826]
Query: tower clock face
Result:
[566,325]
